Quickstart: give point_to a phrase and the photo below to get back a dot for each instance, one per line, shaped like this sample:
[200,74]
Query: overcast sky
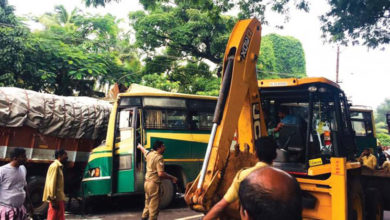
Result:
[365,74]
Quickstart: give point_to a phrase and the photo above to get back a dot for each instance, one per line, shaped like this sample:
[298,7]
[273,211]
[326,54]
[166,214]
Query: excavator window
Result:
[303,123]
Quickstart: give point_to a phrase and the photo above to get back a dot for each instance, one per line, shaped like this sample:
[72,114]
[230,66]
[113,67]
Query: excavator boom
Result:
[238,115]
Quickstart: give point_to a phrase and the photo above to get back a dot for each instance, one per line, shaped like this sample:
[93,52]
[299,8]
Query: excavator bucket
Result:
[238,116]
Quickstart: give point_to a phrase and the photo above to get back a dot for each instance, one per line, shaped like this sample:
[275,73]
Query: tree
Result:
[381,111]
[12,45]
[381,124]
[357,21]
[74,53]
[281,57]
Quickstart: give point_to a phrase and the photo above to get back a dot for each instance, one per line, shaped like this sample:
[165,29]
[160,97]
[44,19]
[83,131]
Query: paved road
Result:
[131,208]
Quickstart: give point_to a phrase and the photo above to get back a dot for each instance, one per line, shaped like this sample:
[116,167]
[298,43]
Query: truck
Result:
[319,150]
[42,123]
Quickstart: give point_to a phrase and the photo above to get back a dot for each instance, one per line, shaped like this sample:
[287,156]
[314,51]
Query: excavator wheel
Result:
[356,210]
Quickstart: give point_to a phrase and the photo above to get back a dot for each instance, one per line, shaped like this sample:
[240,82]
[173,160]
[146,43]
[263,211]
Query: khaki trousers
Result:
[152,200]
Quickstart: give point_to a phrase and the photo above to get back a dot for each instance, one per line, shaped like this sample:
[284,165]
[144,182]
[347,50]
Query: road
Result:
[131,208]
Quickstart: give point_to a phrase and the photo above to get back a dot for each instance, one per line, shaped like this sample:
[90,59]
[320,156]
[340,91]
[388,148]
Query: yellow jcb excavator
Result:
[238,113]
[319,151]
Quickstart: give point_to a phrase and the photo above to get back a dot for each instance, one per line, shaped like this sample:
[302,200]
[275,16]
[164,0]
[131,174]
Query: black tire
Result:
[167,193]
[356,200]
[36,186]
[374,204]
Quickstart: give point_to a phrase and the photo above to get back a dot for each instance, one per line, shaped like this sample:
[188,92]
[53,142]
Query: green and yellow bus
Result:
[362,119]
[183,122]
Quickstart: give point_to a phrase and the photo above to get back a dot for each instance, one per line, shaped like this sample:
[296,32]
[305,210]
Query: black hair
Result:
[379,149]
[17,152]
[59,153]
[260,203]
[266,149]
[157,144]
[283,109]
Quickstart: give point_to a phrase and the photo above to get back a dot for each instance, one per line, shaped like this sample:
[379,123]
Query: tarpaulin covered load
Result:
[66,117]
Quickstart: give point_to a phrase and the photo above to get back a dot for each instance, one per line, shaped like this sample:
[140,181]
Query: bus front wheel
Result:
[167,193]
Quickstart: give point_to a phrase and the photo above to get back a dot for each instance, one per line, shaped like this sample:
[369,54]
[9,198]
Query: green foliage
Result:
[384,139]
[74,53]
[381,111]
[355,21]
[189,31]
[281,57]
[381,124]
[12,45]
[365,22]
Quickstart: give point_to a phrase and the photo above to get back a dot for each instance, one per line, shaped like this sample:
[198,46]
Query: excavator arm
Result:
[238,114]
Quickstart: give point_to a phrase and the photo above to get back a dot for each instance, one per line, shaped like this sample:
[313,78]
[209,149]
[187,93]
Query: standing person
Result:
[12,187]
[54,187]
[270,193]
[154,173]
[266,153]
[381,157]
[367,159]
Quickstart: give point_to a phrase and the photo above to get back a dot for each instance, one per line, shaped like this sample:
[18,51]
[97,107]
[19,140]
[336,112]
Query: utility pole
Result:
[337,64]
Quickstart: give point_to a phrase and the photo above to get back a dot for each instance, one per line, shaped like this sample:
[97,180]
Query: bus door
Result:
[125,150]
[139,162]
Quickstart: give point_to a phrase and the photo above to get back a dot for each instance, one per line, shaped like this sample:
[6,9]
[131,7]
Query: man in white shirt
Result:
[12,187]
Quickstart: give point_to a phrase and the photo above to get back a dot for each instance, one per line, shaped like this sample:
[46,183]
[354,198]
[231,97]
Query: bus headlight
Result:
[95,172]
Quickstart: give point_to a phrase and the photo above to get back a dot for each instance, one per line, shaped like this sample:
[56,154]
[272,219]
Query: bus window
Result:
[155,119]
[165,119]
[176,119]
[201,120]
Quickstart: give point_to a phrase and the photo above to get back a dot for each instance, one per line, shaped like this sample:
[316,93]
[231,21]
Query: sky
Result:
[364,73]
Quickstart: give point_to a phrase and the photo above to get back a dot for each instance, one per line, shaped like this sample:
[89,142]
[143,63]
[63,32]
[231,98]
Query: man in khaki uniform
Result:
[154,173]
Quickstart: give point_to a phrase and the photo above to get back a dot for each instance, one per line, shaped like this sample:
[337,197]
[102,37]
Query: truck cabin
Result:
[309,120]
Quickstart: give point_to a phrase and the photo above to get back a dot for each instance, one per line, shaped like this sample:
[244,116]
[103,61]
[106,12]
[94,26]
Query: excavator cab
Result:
[313,114]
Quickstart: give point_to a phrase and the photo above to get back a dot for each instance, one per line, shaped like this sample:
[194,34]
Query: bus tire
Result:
[167,193]
[36,186]
[356,200]
[374,204]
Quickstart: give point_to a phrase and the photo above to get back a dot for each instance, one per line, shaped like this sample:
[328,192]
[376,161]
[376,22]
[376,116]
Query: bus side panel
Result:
[182,149]
[94,186]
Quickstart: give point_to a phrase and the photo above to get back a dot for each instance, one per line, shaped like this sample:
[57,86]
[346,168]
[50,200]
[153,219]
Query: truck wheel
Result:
[356,201]
[167,193]
[35,187]
[374,204]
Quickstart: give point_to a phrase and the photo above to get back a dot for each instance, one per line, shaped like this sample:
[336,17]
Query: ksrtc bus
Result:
[183,122]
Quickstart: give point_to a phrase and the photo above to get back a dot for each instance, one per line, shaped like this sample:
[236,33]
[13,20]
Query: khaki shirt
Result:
[154,164]
[369,161]
[54,185]
[232,194]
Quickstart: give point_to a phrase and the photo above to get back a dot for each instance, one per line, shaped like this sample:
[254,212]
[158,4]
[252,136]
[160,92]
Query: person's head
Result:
[366,151]
[282,112]
[266,149]
[159,147]
[270,193]
[18,156]
[379,149]
[61,155]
